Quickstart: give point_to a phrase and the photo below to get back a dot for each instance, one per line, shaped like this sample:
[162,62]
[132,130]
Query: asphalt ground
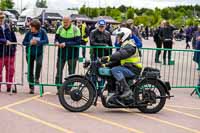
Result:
[24,113]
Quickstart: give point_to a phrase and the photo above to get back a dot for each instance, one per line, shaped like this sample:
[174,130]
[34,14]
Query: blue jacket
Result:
[7,34]
[36,50]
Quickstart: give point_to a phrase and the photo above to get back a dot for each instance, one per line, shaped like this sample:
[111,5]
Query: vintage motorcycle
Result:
[78,93]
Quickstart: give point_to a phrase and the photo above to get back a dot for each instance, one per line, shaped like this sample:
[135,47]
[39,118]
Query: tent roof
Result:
[52,16]
[81,17]
[108,19]
[35,12]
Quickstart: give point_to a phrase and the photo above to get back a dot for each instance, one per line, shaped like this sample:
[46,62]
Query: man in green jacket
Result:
[67,36]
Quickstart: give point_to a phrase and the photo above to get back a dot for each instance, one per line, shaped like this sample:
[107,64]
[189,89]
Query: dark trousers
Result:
[83,50]
[31,61]
[60,66]
[188,39]
[158,52]
[167,45]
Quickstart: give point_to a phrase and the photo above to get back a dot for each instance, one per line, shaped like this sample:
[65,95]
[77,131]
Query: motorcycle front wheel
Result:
[76,94]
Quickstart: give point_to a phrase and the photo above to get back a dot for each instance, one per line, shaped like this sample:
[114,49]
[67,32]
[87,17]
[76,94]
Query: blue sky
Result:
[63,4]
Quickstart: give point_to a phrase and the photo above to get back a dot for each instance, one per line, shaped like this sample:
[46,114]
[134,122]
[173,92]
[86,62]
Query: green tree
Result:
[83,10]
[178,22]
[122,8]
[165,13]
[41,4]
[130,13]
[94,12]
[145,20]
[6,4]
[116,14]
[108,11]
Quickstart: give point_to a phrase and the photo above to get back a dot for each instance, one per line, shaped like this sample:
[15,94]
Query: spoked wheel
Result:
[151,95]
[76,94]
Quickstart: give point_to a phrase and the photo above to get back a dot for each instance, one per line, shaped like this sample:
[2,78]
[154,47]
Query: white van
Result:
[22,21]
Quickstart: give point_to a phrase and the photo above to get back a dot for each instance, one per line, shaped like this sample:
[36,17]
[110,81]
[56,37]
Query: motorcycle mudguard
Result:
[166,85]
[79,76]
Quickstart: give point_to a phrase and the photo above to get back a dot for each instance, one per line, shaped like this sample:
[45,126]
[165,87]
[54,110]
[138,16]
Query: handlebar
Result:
[89,62]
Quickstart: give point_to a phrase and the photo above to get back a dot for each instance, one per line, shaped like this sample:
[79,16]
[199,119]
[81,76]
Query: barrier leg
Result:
[41,90]
[193,92]
[15,89]
[198,92]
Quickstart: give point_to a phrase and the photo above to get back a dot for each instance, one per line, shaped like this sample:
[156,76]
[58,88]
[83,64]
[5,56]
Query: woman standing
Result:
[166,35]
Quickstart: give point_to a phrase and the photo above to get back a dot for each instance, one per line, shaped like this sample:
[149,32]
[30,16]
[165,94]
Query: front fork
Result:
[99,94]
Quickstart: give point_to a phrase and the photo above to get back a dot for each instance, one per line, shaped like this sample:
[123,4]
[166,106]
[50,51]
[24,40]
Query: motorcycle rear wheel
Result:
[149,97]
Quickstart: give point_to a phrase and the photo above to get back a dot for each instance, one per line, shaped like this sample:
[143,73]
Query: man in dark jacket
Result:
[126,62]
[7,51]
[100,37]
[158,42]
[196,46]
[34,41]
[166,35]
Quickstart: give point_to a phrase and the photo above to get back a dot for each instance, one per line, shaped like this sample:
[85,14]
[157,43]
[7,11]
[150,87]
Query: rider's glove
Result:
[103,65]
[105,59]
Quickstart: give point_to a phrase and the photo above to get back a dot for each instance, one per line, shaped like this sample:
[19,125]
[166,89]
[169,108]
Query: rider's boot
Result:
[127,91]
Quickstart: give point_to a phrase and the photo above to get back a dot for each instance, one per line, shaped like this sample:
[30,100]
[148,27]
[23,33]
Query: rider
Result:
[125,63]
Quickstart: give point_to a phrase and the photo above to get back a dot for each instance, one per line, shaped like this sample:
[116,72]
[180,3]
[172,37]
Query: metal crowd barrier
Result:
[181,72]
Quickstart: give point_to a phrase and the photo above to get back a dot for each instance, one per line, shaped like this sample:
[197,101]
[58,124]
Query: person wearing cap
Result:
[67,36]
[84,35]
[34,41]
[7,52]
[100,37]
[133,28]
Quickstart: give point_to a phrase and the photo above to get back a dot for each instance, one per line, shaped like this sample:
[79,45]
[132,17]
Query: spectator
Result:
[166,35]
[100,37]
[133,28]
[134,36]
[196,46]
[158,41]
[84,35]
[66,36]
[188,36]
[7,54]
[58,24]
[147,32]
[92,27]
[181,32]
[34,41]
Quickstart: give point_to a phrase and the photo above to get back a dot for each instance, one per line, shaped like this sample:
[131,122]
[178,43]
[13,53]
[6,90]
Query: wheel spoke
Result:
[85,98]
